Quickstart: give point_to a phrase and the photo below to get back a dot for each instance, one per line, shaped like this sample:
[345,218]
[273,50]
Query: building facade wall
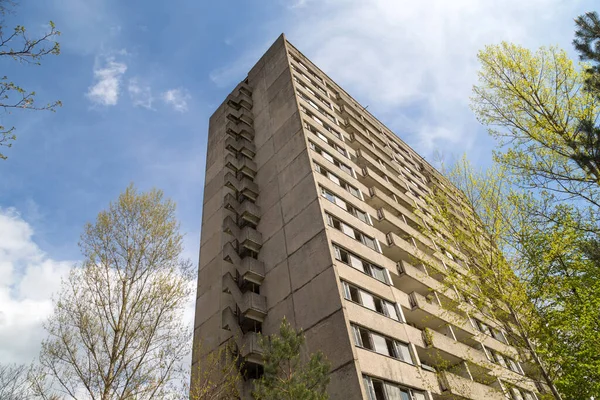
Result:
[327,237]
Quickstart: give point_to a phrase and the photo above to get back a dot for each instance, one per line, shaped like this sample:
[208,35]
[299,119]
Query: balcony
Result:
[364,150]
[244,185]
[247,343]
[248,268]
[251,305]
[240,99]
[388,222]
[428,314]
[251,349]
[240,115]
[240,145]
[246,210]
[246,236]
[452,351]
[457,387]
[379,199]
[243,165]
[240,129]
[372,179]
[417,279]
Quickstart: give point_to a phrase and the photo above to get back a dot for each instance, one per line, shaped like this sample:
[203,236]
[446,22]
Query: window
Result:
[332,197]
[370,301]
[315,106]
[334,178]
[521,394]
[360,264]
[383,390]
[482,327]
[305,87]
[514,366]
[320,122]
[498,335]
[504,361]
[353,233]
[330,158]
[324,138]
[306,76]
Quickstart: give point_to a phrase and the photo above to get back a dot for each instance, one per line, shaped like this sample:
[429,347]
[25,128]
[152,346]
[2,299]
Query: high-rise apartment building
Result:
[310,212]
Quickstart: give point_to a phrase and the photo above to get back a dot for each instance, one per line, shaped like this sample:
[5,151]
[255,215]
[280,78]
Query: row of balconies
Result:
[245,316]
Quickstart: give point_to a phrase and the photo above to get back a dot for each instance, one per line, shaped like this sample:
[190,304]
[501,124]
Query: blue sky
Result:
[139,79]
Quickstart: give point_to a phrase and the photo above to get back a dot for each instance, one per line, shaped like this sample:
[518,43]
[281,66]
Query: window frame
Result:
[348,289]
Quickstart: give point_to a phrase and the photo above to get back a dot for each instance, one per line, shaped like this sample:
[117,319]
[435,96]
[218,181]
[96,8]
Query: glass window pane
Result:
[362,216]
[379,306]
[357,339]
[369,242]
[418,395]
[341,203]
[356,263]
[367,300]
[501,360]
[329,196]
[403,352]
[513,365]
[379,344]
[338,254]
[390,311]
[334,179]
[346,288]
[355,294]
[378,389]
[516,394]
[347,230]
[327,157]
[393,392]
[366,339]
[369,388]
[378,273]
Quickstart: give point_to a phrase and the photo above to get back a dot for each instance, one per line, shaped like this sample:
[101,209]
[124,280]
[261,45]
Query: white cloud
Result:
[140,94]
[177,98]
[414,62]
[28,280]
[108,75]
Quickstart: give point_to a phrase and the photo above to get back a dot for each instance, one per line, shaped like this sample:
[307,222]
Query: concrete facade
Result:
[309,214]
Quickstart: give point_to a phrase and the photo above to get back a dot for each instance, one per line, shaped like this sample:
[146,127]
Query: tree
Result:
[216,376]
[117,330]
[19,46]
[286,376]
[543,110]
[534,103]
[14,384]
[478,247]
[539,278]
[587,43]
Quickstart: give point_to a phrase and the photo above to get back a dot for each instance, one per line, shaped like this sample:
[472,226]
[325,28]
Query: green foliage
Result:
[19,46]
[543,109]
[533,103]
[562,268]
[117,329]
[587,44]
[215,376]
[489,242]
[286,376]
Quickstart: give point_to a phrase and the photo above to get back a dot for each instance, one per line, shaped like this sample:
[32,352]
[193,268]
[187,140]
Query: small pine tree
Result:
[286,376]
